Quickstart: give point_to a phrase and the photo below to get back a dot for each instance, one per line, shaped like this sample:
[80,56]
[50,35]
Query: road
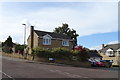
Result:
[19,68]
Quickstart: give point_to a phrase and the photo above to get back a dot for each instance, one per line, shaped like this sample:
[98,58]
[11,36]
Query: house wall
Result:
[115,59]
[55,44]
[35,42]
[39,42]
[29,44]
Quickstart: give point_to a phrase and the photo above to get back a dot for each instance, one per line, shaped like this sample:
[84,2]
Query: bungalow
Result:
[48,40]
[111,52]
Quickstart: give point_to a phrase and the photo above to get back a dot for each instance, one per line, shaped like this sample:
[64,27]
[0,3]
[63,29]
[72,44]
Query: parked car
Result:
[107,63]
[93,62]
[101,63]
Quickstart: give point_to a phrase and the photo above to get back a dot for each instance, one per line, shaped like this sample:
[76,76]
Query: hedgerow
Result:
[60,53]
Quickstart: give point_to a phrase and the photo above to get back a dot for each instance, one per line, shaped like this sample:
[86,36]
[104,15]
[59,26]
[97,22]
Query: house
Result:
[94,55]
[0,46]
[111,52]
[48,40]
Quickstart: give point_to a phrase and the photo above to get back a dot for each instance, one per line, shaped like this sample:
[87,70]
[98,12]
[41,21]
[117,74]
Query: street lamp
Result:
[24,36]
[24,33]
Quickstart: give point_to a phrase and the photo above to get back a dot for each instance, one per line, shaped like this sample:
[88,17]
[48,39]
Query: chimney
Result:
[103,46]
[32,36]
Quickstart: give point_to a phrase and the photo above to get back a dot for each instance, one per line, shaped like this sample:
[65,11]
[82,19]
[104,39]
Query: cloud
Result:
[96,47]
[97,19]
[114,42]
[88,19]
[59,0]
[100,46]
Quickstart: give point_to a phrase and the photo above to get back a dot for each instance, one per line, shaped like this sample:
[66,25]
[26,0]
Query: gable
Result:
[109,49]
[47,36]
[118,49]
[114,47]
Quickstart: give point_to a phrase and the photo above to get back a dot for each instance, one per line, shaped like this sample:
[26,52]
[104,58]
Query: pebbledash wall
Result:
[116,59]
[105,55]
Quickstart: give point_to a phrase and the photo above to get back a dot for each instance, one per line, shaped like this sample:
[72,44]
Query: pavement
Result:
[19,68]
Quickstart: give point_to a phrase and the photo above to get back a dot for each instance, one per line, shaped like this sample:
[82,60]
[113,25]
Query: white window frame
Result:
[118,52]
[110,52]
[65,43]
[46,40]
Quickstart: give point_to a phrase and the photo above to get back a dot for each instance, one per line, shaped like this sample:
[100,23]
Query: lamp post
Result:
[24,36]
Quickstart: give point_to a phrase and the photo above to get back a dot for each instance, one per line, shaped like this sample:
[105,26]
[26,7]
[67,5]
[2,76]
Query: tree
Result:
[79,48]
[70,32]
[19,47]
[8,42]
[7,45]
[64,29]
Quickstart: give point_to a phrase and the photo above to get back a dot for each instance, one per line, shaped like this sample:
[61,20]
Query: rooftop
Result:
[114,47]
[52,34]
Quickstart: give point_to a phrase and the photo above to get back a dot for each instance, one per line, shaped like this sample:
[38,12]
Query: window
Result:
[46,41]
[118,52]
[65,43]
[110,52]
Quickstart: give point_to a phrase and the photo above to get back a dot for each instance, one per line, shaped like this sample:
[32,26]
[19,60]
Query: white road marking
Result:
[6,75]
[67,74]
[85,77]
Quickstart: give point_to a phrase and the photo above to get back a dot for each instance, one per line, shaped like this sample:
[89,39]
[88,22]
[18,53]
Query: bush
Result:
[60,53]
[19,47]
[41,52]
[83,56]
[7,49]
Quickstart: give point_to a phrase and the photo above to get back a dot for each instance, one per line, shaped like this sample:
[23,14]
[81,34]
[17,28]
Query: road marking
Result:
[7,75]
[85,77]
[67,74]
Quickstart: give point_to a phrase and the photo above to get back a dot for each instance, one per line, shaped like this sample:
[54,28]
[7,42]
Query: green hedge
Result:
[41,52]
[60,53]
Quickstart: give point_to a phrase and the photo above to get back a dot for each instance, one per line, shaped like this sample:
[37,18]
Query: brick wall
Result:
[55,44]
[39,42]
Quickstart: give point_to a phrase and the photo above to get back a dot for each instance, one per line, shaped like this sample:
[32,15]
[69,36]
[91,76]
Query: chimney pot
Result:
[103,46]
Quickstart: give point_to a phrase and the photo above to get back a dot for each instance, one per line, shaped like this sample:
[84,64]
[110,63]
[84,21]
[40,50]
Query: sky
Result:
[95,22]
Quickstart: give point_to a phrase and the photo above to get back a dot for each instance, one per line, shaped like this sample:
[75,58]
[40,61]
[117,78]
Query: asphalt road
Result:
[19,68]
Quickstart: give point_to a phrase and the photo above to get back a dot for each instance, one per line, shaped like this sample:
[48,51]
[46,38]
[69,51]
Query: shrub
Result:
[19,47]
[7,49]
[41,52]
[83,55]
[60,53]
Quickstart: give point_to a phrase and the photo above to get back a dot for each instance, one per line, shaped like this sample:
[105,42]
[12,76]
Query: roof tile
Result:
[52,34]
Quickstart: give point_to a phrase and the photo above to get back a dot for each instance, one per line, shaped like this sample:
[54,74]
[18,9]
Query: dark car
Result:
[107,63]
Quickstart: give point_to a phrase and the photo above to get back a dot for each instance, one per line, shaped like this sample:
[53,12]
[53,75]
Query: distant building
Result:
[48,40]
[111,52]
[0,46]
